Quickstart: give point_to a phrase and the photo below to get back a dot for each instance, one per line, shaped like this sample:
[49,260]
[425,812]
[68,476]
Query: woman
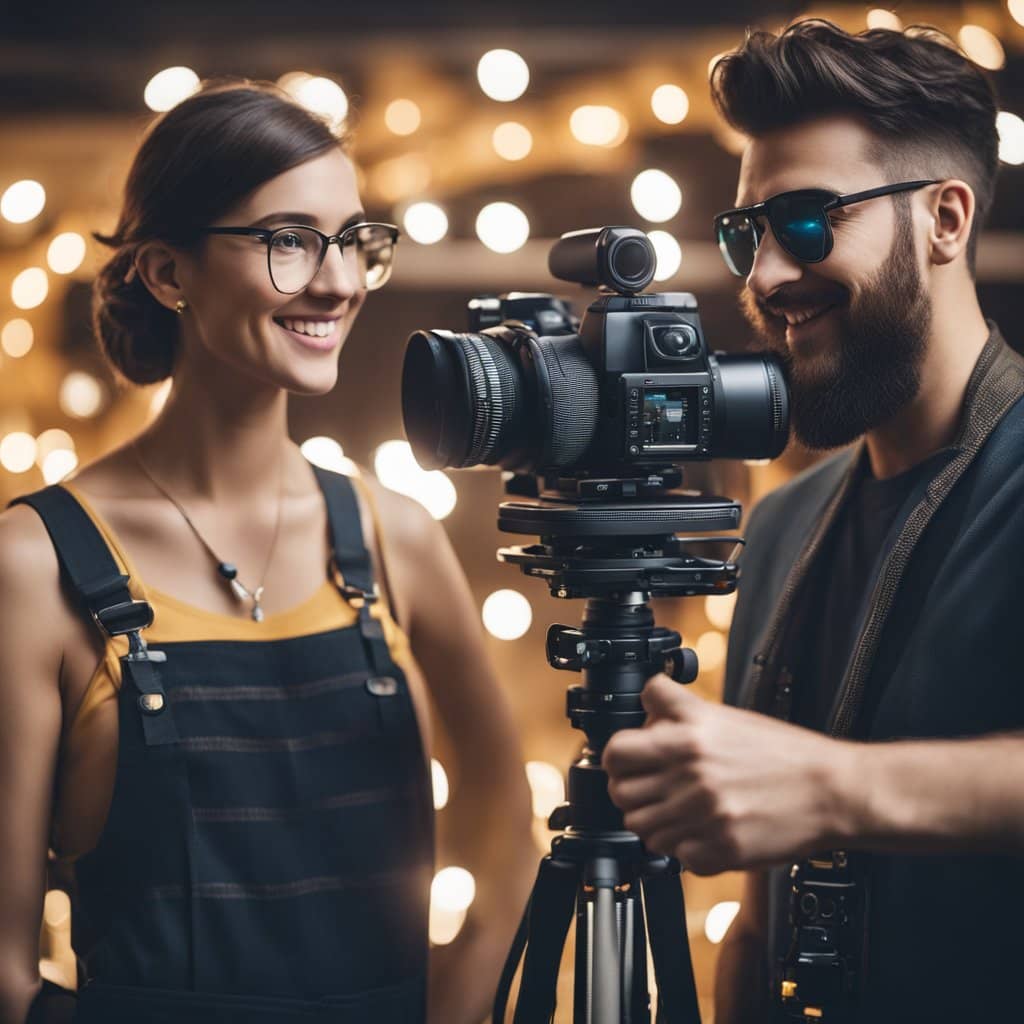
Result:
[208,706]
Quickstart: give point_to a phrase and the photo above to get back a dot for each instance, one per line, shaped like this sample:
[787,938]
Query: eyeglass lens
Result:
[798,221]
[296,255]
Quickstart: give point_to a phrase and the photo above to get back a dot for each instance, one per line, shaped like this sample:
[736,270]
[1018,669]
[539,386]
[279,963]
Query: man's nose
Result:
[773,267]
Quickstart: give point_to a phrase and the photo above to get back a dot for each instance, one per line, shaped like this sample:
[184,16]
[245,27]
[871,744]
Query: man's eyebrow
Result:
[297,217]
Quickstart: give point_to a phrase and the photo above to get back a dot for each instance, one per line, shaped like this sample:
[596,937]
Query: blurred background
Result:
[484,132]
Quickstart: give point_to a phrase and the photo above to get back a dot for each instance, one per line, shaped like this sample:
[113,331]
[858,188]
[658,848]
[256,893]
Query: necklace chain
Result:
[226,569]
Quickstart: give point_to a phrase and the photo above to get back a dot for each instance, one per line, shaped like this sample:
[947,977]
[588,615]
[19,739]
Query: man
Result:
[879,599]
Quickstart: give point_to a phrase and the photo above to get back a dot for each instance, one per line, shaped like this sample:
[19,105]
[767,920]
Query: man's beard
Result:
[881,340]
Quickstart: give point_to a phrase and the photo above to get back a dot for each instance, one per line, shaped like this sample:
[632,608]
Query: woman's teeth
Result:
[314,328]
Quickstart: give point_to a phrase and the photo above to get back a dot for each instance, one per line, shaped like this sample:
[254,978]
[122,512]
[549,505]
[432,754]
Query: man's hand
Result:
[721,788]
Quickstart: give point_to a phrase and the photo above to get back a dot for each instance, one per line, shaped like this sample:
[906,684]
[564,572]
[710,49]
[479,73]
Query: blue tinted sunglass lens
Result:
[737,241]
[801,227]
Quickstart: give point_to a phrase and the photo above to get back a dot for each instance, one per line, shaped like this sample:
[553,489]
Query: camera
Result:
[630,388]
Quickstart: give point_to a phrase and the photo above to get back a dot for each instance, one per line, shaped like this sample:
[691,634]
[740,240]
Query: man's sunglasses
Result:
[799,221]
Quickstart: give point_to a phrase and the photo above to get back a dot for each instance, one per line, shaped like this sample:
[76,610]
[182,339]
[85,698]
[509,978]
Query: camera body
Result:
[656,377]
[631,389]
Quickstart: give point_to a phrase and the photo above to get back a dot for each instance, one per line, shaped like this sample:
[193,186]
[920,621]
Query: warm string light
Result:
[506,614]
[167,88]
[396,468]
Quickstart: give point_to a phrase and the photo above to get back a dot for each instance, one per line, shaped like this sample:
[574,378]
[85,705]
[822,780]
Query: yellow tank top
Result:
[88,758]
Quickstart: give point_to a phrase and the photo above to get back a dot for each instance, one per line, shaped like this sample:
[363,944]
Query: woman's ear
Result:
[155,263]
[952,209]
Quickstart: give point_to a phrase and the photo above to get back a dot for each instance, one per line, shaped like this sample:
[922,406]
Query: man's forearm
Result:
[932,796]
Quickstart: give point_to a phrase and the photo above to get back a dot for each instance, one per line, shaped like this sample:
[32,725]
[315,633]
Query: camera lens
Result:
[500,397]
[631,262]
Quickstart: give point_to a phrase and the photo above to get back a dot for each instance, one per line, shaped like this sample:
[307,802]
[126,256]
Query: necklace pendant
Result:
[239,590]
[257,611]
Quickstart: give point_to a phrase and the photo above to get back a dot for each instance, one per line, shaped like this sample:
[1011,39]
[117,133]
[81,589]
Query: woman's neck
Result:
[217,441]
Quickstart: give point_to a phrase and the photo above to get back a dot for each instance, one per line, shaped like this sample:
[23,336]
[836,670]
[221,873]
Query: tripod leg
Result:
[547,924]
[670,947]
[599,950]
[508,972]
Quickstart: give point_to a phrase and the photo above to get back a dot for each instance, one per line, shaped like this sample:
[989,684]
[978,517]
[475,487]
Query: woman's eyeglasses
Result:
[799,221]
[296,252]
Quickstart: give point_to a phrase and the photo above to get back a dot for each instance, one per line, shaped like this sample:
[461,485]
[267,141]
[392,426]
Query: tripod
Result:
[622,895]
[617,554]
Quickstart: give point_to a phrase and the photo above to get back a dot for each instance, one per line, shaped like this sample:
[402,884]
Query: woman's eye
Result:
[287,241]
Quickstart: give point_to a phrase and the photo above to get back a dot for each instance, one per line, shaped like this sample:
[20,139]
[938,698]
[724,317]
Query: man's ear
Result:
[952,208]
[155,263]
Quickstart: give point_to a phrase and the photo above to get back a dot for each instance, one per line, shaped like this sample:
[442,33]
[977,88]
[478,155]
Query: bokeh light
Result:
[439,784]
[503,75]
[711,649]
[982,47]
[23,201]
[402,117]
[502,227]
[66,252]
[18,452]
[451,894]
[512,141]
[547,787]
[58,464]
[326,453]
[670,103]
[425,223]
[1016,9]
[1011,138]
[397,469]
[719,608]
[507,614]
[668,253]
[655,195]
[16,337]
[169,87]
[878,17]
[598,126]
[719,919]
[324,97]
[81,394]
[30,288]
[401,176]
[53,440]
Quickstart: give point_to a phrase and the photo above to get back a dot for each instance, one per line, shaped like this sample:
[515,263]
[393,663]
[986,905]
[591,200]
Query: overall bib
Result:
[269,846]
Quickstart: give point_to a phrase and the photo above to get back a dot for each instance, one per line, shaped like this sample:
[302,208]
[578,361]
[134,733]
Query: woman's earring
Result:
[180,306]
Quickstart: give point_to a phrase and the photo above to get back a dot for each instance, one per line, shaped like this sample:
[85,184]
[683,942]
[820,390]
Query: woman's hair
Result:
[194,163]
[931,110]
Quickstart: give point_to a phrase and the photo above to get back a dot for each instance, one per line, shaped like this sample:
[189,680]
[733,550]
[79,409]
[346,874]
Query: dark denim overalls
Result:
[269,846]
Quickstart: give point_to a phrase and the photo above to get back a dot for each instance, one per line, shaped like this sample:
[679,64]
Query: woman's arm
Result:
[31,645]
[741,984]
[489,814]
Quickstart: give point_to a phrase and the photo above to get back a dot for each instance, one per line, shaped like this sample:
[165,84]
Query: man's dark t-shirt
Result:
[845,573]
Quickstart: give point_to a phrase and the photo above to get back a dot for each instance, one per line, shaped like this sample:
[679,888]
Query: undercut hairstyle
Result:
[194,163]
[931,110]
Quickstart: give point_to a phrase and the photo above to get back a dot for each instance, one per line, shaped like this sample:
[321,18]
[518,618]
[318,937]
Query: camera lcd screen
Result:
[670,417]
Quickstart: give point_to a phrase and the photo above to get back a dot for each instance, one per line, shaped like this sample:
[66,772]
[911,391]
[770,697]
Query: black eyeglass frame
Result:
[833,201]
[267,235]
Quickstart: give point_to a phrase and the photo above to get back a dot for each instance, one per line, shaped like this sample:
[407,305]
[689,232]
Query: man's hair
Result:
[931,110]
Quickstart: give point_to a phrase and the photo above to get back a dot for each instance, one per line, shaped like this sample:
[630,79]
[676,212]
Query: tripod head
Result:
[614,542]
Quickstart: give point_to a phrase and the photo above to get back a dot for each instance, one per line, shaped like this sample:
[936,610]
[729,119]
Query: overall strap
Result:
[99,584]
[353,563]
